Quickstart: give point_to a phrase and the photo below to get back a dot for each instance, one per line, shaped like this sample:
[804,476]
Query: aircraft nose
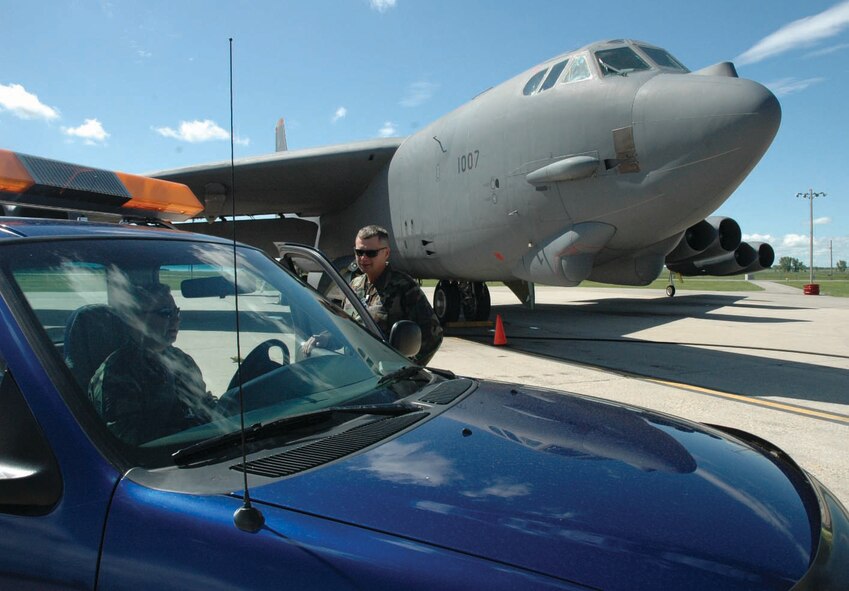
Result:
[715,128]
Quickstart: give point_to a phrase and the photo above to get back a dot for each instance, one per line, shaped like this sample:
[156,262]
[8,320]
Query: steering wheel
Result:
[259,362]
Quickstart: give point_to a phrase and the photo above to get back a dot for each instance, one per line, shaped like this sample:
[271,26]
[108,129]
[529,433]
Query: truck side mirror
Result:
[406,337]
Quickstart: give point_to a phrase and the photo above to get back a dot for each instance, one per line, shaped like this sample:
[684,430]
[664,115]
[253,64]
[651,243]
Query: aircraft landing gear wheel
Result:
[476,301]
[670,290]
[446,301]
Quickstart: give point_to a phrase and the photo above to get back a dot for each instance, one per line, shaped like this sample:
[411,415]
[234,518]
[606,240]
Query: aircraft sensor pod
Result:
[568,169]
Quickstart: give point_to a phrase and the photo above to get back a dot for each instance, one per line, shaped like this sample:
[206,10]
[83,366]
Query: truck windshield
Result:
[151,332]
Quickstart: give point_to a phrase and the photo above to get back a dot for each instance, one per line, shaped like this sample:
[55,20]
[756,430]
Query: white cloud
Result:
[800,33]
[195,131]
[140,52]
[91,131]
[768,238]
[382,5]
[786,86]
[388,130]
[822,221]
[23,104]
[826,248]
[828,50]
[198,131]
[795,240]
[106,8]
[340,113]
[418,93]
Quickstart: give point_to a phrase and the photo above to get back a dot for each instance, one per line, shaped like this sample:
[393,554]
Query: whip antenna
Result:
[247,517]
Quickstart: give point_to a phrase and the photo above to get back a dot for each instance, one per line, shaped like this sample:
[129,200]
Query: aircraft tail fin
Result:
[280,136]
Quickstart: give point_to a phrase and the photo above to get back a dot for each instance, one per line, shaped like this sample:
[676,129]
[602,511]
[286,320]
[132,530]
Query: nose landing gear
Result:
[670,289]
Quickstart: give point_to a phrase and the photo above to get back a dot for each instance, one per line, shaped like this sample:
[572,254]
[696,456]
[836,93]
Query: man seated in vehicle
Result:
[149,388]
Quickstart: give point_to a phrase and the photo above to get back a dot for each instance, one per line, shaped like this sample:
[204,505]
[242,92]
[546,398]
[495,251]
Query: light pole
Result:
[810,195]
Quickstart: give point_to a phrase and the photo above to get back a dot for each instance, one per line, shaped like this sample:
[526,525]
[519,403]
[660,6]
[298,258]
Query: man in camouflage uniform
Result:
[391,295]
[149,388]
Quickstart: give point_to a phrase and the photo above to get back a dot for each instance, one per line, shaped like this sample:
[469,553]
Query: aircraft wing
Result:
[307,182]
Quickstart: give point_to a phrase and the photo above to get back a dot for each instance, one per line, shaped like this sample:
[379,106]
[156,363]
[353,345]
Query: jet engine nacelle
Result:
[696,239]
[746,258]
[713,237]
[763,258]
[713,243]
[728,236]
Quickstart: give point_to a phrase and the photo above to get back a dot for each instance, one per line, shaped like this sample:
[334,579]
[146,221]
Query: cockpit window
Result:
[533,83]
[579,70]
[553,75]
[619,61]
[663,59]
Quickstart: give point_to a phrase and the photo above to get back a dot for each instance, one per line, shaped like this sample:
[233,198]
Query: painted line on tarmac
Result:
[791,408]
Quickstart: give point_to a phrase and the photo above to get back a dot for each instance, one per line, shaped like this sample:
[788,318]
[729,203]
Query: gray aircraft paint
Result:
[593,179]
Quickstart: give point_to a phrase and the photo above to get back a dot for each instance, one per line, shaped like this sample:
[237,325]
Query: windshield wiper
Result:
[405,372]
[262,430]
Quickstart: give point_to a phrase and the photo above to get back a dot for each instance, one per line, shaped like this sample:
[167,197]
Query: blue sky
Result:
[143,85]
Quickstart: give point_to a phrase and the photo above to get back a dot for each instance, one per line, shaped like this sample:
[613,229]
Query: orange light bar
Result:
[158,195]
[13,176]
[32,181]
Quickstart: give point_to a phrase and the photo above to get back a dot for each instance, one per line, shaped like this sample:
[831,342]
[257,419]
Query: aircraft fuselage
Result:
[596,164]
[655,151]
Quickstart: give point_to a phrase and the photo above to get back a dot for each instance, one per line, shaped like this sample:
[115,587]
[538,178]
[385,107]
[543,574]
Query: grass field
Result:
[832,283]
[690,283]
[837,286]
[828,287]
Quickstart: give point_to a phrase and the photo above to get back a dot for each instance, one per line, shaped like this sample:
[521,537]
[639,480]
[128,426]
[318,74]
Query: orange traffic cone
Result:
[500,338]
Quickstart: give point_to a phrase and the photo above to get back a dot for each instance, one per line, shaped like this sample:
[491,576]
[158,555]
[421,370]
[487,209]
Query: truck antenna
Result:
[247,517]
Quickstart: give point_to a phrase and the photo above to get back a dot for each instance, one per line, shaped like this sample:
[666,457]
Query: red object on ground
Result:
[500,338]
[812,289]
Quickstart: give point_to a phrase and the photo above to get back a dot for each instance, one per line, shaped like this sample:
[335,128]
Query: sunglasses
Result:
[369,253]
[166,312]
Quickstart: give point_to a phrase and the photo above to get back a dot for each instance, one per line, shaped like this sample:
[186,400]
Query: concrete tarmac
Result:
[774,363]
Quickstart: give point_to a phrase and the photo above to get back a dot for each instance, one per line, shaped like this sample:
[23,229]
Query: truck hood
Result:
[577,488]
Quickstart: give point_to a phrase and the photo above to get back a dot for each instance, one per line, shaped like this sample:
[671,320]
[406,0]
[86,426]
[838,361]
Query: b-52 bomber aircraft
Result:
[602,164]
